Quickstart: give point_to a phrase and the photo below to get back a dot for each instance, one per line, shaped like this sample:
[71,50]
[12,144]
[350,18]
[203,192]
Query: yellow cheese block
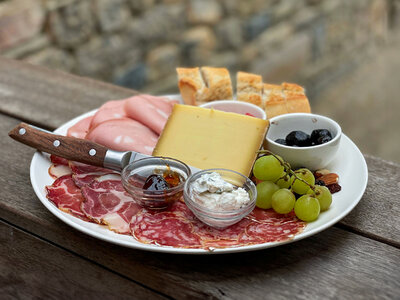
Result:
[207,138]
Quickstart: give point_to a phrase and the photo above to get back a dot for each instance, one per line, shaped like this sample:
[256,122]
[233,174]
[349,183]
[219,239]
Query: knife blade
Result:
[76,149]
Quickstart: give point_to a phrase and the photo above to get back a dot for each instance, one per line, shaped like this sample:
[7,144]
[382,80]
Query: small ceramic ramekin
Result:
[236,106]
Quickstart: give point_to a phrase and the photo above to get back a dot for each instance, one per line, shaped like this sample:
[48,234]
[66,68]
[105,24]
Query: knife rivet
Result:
[92,152]
[22,131]
[56,143]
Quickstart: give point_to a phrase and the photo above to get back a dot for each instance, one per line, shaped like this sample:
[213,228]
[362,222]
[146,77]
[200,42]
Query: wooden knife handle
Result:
[68,147]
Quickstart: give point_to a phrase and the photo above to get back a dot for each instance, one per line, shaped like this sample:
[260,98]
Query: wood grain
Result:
[68,147]
[49,98]
[332,264]
[34,269]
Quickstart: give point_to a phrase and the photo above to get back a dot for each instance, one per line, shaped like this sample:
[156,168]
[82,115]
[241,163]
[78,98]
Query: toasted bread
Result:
[218,82]
[275,102]
[292,87]
[296,102]
[249,88]
[191,85]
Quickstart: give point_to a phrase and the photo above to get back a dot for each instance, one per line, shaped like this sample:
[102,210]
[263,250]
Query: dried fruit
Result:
[334,188]
[321,172]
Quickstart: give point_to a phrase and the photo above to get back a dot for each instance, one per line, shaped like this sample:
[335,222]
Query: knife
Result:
[76,149]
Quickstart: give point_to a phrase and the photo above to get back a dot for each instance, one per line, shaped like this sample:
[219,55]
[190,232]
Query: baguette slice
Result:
[275,102]
[249,88]
[191,85]
[296,99]
[218,82]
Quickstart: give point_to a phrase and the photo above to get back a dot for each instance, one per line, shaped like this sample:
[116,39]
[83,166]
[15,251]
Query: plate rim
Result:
[66,218]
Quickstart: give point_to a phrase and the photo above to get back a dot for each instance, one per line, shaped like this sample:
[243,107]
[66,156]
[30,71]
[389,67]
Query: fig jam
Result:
[167,180]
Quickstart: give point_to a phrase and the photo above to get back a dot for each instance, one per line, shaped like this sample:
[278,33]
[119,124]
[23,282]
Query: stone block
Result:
[30,46]
[228,59]
[102,54]
[52,58]
[162,23]
[230,33]
[197,44]
[256,25]
[274,36]
[72,24]
[284,63]
[285,8]
[134,78]
[111,15]
[162,61]
[19,21]
[139,6]
[379,19]
[204,12]
[246,8]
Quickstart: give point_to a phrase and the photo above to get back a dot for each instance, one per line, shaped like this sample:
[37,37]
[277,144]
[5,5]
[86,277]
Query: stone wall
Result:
[138,43]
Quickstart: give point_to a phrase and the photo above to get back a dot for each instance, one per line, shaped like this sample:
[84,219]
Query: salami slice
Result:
[158,229]
[106,202]
[66,196]
[84,174]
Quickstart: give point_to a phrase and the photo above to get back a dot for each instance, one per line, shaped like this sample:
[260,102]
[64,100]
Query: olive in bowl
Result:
[304,151]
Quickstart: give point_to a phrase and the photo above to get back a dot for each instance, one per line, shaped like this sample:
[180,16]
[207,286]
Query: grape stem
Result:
[287,168]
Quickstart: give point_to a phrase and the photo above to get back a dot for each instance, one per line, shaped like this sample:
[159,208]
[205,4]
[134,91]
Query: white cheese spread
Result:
[214,193]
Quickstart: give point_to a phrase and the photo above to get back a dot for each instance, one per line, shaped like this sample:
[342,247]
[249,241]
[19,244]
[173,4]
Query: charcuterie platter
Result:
[347,160]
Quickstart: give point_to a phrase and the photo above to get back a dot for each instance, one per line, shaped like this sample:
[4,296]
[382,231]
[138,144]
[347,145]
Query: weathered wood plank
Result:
[332,264]
[33,269]
[377,214]
[50,98]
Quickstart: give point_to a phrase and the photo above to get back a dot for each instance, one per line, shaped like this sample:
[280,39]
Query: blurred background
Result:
[346,53]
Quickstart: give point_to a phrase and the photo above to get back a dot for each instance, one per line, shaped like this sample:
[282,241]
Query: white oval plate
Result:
[349,164]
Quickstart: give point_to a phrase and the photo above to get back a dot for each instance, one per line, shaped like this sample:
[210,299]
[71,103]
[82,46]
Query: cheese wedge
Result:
[207,138]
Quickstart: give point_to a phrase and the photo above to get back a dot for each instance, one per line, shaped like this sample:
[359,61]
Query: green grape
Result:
[323,195]
[307,208]
[284,181]
[298,186]
[283,201]
[267,168]
[265,190]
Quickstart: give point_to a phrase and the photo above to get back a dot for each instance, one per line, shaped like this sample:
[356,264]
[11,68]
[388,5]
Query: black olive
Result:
[298,138]
[155,183]
[319,133]
[280,141]
[323,140]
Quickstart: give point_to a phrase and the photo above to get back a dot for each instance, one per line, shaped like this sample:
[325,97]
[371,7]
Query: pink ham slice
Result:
[66,196]
[124,135]
[149,110]
[106,202]
[80,129]
[108,111]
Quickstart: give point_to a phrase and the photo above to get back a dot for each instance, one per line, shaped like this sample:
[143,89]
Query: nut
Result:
[330,178]
[321,172]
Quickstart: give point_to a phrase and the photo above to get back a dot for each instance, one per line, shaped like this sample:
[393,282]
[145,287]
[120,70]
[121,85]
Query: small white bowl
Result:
[312,157]
[236,106]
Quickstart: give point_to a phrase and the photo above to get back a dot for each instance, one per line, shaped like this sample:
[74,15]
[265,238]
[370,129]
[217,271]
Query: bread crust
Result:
[218,82]
[297,102]
[249,88]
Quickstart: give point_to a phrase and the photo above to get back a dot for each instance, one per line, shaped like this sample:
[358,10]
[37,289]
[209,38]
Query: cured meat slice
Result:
[113,109]
[84,174]
[106,202]
[149,110]
[124,135]
[165,231]
[59,167]
[66,196]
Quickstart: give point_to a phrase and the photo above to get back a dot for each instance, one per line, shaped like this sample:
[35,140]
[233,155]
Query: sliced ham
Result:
[80,129]
[84,174]
[149,110]
[124,135]
[108,111]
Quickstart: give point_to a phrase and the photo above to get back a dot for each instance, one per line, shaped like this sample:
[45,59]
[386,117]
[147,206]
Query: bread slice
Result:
[218,82]
[296,99]
[200,85]
[275,102]
[249,88]
[191,85]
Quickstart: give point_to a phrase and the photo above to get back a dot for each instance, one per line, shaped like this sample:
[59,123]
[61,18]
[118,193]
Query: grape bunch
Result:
[279,184]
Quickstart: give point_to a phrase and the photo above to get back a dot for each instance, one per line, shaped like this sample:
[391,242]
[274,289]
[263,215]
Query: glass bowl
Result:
[135,174]
[215,217]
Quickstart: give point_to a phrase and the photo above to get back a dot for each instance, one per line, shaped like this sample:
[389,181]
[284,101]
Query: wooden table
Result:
[42,257]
